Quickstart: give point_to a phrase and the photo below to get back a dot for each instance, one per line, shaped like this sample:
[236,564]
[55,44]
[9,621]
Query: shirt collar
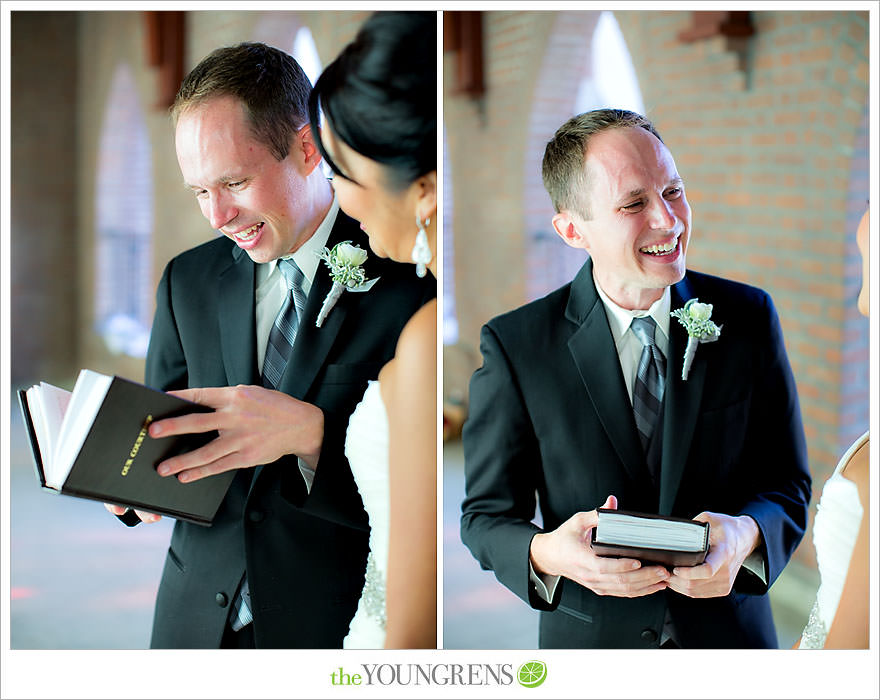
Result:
[306,256]
[619,319]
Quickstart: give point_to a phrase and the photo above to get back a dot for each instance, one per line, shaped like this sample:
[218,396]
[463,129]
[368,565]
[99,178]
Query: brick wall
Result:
[770,139]
[772,145]
[485,140]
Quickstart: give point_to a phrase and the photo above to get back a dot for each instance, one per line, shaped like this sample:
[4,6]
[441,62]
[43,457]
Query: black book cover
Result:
[651,555]
[117,461]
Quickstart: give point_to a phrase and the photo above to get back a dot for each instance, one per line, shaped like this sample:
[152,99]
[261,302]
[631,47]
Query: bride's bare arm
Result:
[849,629]
[409,391]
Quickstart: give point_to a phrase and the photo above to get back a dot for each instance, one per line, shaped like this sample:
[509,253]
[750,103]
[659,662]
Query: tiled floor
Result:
[79,579]
[478,612]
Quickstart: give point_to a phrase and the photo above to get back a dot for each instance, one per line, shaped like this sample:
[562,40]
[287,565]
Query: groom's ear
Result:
[305,151]
[569,230]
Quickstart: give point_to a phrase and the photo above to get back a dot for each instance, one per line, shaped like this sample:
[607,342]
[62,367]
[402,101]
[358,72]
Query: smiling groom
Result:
[581,403]
[283,563]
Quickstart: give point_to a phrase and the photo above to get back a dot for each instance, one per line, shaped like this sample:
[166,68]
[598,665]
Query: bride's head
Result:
[862,241]
[379,102]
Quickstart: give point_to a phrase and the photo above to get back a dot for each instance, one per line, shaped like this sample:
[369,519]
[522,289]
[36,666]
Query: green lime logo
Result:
[532,673]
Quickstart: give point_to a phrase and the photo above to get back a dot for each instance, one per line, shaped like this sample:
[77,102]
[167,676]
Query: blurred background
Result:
[766,114]
[97,209]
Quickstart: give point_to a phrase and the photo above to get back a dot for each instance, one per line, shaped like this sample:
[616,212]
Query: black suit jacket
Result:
[305,553]
[550,416]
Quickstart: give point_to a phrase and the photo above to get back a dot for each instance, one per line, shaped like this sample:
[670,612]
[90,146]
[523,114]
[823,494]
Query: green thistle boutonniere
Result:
[344,261]
[696,317]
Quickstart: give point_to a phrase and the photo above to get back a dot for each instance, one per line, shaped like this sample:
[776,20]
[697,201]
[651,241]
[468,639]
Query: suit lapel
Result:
[313,344]
[592,349]
[236,318]
[682,403]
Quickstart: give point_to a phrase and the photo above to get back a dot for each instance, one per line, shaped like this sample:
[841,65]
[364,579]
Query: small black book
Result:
[650,538]
[93,443]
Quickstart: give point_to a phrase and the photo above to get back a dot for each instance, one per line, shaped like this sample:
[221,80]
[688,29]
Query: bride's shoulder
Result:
[417,345]
[856,470]
[421,328]
[416,355]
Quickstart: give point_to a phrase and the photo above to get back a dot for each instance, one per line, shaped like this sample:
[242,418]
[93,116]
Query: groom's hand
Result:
[566,552]
[144,516]
[731,540]
[255,425]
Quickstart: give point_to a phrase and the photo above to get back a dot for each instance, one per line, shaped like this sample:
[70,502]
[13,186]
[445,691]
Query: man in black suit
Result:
[553,417]
[283,563]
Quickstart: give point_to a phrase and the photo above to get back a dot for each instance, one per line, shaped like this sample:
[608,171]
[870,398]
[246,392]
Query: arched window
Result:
[124,222]
[612,82]
[576,76]
[306,53]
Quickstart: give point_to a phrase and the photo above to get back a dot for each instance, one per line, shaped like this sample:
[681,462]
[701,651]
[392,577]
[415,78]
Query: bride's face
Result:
[862,241]
[386,215]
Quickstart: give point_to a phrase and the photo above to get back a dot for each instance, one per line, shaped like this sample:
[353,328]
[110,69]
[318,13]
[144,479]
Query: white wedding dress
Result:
[366,446]
[838,517]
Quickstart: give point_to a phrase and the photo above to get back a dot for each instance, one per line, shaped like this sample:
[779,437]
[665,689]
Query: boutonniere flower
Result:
[696,317]
[344,261]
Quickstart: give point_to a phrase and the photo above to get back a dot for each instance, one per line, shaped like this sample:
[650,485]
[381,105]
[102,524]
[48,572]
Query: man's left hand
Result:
[255,425]
[731,540]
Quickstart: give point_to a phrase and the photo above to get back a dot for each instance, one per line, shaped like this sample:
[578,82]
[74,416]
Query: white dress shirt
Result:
[271,291]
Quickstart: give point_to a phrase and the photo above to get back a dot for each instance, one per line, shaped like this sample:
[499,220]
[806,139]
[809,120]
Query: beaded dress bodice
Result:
[366,446]
[838,517]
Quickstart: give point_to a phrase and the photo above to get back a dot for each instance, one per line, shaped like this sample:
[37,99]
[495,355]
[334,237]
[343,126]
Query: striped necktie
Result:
[286,324]
[650,380]
[281,339]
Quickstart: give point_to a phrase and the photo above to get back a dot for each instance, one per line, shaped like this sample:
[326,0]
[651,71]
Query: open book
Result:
[650,538]
[93,443]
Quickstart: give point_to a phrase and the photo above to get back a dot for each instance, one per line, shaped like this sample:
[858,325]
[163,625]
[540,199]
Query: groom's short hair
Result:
[271,86]
[565,177]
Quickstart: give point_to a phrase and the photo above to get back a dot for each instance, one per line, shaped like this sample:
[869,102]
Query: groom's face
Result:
[639,220]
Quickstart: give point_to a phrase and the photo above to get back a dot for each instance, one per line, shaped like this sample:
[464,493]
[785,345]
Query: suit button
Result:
[649,635]
[221,599]
[256,516]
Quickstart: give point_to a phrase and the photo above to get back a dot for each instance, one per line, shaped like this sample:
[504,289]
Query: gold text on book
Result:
[137,446]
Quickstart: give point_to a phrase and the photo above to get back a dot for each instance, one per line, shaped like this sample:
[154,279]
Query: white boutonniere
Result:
[344,261]
[696,317]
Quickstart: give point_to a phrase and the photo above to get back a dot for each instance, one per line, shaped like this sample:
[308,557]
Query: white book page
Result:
[47,404]
[53,405]
[35,408]
[650,532]
[85,401]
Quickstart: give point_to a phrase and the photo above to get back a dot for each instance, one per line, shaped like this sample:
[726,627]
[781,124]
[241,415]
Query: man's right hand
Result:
[566,552]
[142,514]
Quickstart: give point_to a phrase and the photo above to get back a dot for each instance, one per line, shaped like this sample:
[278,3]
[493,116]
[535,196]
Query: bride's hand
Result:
[255,425]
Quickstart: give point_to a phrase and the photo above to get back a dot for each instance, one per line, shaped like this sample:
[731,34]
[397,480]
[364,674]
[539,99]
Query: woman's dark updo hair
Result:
[380,95]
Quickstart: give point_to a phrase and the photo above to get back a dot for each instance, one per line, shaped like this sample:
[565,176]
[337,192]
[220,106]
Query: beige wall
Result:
[43,194]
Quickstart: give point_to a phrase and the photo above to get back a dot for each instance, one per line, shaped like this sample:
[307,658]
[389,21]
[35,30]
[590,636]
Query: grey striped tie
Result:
[284,330]
[281,339]
[650,380]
